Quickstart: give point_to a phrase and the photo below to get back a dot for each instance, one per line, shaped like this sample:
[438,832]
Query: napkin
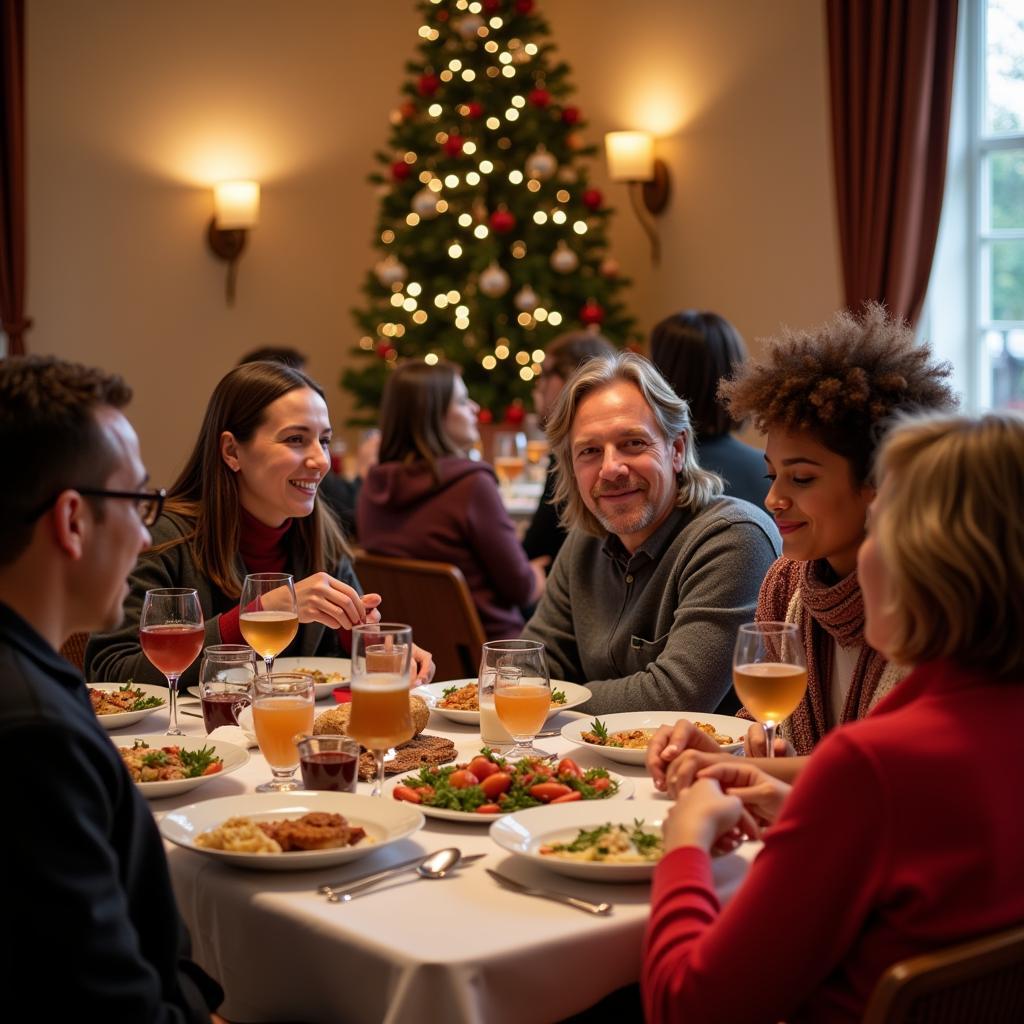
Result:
[241,735]
[342,695]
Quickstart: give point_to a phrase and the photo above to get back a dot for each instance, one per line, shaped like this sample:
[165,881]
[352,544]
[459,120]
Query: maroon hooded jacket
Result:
[405,513]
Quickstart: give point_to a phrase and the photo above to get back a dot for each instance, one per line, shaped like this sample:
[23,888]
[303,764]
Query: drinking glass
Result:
[282,714]
[537,449]
[380,715]
[329,762]
[268,631]
[171,632]
[769,672]
[509,456]
[225,683]
[517,671]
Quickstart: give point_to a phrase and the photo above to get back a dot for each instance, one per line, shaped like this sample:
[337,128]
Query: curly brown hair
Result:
[841,382]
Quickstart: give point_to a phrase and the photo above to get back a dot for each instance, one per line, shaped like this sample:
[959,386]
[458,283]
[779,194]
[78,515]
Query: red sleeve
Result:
[230,633]
[795,917]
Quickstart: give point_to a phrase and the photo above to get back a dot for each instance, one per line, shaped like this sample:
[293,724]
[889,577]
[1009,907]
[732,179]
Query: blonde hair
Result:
[951,532]
[697,487]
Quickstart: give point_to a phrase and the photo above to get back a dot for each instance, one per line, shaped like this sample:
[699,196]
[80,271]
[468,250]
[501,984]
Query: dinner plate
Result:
[339,668]
[524,832]
[433,693]
[385,821]
[125,718]
[232,756]
[734,727]
[625,792]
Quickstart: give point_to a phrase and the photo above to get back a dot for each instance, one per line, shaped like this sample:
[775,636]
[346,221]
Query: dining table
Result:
[459,949]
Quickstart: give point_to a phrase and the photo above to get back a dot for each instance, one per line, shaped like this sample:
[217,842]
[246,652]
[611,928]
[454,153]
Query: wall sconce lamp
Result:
[236,209]
[631,158]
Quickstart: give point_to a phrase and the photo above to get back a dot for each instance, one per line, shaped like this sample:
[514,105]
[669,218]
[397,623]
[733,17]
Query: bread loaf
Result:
[335,720]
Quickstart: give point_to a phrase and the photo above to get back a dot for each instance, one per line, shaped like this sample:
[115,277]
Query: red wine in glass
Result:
[171,635]
[222,708]
[330,769]
[172,648]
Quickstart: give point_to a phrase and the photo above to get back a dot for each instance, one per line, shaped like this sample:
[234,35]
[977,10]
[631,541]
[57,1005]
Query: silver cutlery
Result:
[435,865]
[548,894]
[191,714]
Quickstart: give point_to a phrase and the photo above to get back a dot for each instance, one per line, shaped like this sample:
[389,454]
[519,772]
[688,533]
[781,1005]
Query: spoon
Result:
[436,865]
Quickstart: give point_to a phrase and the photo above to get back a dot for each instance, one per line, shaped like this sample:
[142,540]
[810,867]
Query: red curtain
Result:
[891,70]
[12,176]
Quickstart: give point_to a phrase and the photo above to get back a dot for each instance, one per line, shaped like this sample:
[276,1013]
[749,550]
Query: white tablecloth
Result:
[462,949]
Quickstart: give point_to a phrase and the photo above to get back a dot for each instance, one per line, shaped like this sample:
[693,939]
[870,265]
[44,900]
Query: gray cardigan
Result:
[117,657]
[654,631]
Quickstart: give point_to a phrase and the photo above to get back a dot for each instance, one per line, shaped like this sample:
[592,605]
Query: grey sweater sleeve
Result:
[552,621]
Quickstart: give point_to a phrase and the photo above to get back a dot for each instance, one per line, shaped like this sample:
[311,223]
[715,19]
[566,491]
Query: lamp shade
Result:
[630,155]
[236,204]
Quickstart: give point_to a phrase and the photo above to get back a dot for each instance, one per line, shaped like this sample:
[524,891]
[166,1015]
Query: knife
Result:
[548,894]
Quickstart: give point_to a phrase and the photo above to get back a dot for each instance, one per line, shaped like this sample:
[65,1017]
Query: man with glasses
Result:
[94,925]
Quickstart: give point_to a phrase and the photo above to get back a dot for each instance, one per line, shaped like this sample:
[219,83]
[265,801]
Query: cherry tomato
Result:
[494,785]
[482,767]
[548,791]
[462,779]
[527,780]
[408,794]
[567,766]
[212,769]
[601,784]
[568,798]
[488,809]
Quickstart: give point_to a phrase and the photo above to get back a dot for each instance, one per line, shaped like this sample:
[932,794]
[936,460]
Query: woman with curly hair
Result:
[823,398]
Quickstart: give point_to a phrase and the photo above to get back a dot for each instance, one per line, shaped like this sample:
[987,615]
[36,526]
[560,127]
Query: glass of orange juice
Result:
[380,715]
[282,714]
[769,672]
[522,691]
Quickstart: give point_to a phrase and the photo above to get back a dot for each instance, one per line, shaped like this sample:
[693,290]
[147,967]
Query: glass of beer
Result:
[269,616]
[769,671]
[225,683]
[171,632]
[522,691]
[380,715]
[282,715]
[509,456]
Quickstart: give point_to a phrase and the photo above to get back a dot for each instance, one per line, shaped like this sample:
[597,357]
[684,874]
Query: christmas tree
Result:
[491,239]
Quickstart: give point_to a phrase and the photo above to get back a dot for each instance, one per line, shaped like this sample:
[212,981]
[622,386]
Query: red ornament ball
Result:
[400,170]
[570,115]
[592,198]
[428,84]
[407,110]
[539,97]
[384,349]
[502,221]
[515,413]
[524,6]
[592,312]
[453,145]
[442,15]
[485,416]
[474,109]
[492,6]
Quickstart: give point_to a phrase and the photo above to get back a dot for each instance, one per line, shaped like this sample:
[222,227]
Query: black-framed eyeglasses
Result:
[149,504]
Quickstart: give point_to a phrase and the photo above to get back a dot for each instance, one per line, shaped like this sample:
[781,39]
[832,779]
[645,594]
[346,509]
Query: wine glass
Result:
[268,631]
[225,683]
[769,672]
[522,691]
[171,631]
[380,714]
[282,715]
[509,456]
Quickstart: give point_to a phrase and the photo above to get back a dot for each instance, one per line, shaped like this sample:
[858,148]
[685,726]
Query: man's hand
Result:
[669,742]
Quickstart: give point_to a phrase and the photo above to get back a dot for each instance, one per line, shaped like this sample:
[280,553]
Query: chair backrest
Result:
[977,982]
[434,599]
[73,649]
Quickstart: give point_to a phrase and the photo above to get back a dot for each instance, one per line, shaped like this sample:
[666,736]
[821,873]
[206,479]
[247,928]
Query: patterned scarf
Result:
[825,612]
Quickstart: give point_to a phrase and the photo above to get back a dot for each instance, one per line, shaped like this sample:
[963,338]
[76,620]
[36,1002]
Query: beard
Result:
[627,520]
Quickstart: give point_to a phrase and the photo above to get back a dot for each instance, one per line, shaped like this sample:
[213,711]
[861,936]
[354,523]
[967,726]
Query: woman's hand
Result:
[668,743]
[423,666]
[322,598]
[762,795]
[754,744]
[703,816]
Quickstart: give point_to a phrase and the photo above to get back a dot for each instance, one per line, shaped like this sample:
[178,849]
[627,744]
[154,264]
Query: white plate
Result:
[524,832]
[385,821]
[735,727]
[126,718]
[341,666]
[625,792]
[232,756]
[433,693]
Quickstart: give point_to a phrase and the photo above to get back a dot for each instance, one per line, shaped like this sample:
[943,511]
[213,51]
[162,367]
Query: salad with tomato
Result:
[488,784]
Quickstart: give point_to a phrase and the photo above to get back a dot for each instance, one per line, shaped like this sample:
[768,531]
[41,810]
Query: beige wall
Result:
[134,109]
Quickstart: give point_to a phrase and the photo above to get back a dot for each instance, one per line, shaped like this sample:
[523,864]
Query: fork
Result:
[548,894]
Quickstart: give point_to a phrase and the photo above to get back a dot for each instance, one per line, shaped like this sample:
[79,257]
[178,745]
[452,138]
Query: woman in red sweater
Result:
[899,836]
[426,499]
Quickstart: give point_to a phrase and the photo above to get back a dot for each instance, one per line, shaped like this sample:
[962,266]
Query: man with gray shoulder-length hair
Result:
[659,569]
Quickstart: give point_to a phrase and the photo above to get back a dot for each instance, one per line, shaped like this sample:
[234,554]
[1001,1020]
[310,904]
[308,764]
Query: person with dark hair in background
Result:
[340,493]
[563,356]
[427,499]
[93,928]
[695,351]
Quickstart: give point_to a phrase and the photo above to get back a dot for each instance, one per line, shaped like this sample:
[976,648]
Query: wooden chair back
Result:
[434,599]
[977,982]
